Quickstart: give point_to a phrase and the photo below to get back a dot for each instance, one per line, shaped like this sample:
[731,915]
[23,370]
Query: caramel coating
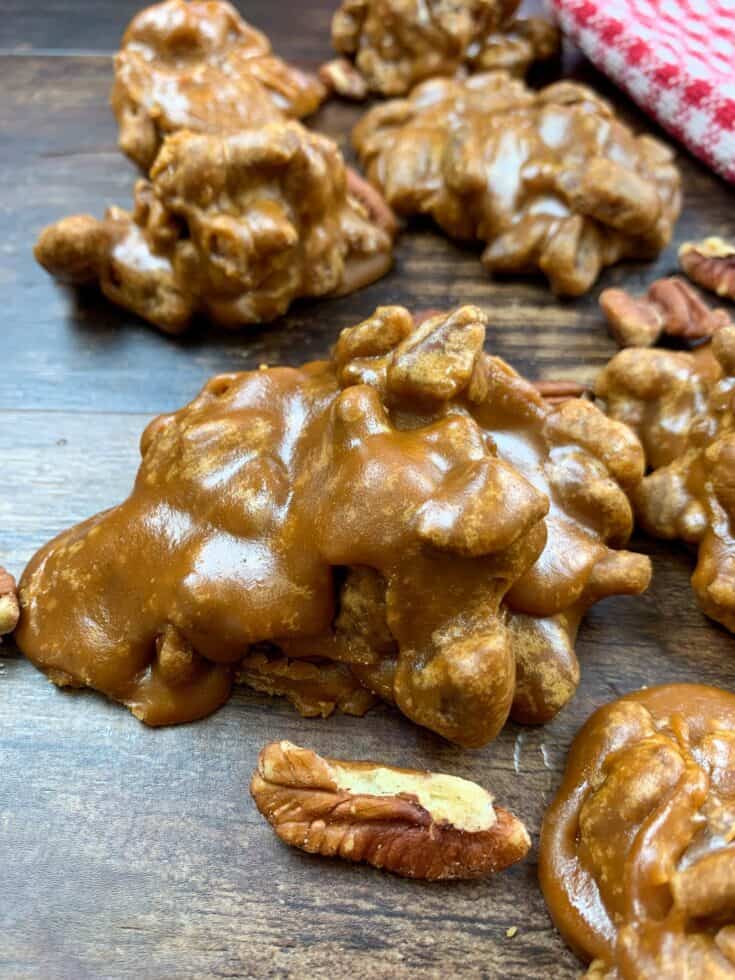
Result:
[198,66]
[550,180]
[637,862]
[680,405]
[398,43]
[416,824]
[411,510]
[235,227]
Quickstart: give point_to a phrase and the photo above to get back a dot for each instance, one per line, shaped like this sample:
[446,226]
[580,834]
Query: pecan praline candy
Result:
[680,404]
[637,860]
[398,43]
[196,65]
[235,227]
[551,181]
[409,520]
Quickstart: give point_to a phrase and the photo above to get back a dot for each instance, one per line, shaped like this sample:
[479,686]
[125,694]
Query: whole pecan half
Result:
[556,391]
[670,307]
[416,824]
[711,264]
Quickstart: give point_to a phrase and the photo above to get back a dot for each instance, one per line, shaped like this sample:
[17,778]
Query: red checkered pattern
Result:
[676,58]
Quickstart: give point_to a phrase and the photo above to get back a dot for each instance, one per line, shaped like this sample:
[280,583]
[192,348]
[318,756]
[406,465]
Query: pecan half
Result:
[632,322]
[670,307]
[9,609]
[416,824]
[711,264]
[556,391]
[686,315]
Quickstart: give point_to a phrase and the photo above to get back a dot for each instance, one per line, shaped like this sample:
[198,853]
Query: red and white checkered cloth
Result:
[675,58]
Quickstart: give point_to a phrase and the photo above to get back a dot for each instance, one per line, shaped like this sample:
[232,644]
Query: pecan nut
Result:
[711,264]
[314,689]
[341,76]
[415,824]
[514,48]
[670,307]
[9,607]
[556,391]
[632,322]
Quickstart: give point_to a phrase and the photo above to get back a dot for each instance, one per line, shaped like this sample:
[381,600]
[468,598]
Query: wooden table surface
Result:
[129,852]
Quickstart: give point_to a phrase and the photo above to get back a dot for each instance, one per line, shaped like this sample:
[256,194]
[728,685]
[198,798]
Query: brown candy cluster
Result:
[681,406]
[637,857]
[409,520]
[550,180]
[198,66]
[397,43]
[234,226]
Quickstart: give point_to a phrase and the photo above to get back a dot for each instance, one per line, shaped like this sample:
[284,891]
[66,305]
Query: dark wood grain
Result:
[127,852]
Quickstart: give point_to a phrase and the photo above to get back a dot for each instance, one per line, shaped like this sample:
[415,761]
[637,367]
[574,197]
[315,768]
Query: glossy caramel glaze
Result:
[637,863]
[397,43]
[198,66]
[235,227]
[681,406]
[411,515]
[551,181]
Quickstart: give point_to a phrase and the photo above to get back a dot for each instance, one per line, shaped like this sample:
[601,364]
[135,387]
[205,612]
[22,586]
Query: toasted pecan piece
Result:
[556,391]
[632,322]
[9,609]
[413,823]
[340,76]
[314,689]
[670,307]
[711,264]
